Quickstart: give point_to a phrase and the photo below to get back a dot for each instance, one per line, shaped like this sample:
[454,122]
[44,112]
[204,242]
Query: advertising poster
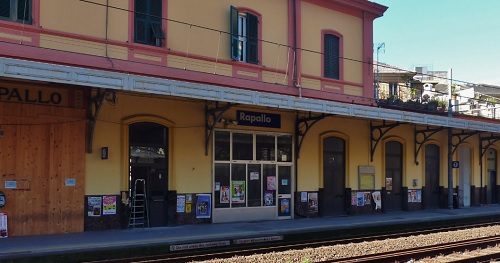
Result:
[360,197]
[188,207]
[388,184]
[377,199]
[271,183]
[269,198]
[367,198]
[414,196]
[354,200]
[238,193]
[109,205]
[224,194]
[94,206]
[203,206]
[284,206]
[313,202]
[3,225]
[181,203]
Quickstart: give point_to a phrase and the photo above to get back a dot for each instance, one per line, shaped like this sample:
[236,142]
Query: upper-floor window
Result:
[393,89]
[16,11]
[331,57]
[148,22]
[244,36]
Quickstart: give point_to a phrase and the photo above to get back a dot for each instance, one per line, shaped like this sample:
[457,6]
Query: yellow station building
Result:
[212,112]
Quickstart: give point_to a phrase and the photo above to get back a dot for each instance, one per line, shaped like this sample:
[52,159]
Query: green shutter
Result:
[252,39]
[234,32]
[331,53]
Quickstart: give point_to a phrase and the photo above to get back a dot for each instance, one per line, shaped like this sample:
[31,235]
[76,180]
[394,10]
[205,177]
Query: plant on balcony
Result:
[432,104]
[442,105]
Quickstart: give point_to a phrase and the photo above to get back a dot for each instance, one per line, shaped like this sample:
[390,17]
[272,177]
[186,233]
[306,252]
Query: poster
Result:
[367,198]
[414,196]
[203,206]
[109,205]
[224,194]
[4,232]
[360,197]
[189,198]
[388,184]
[313,202]
[269,198]
[238,192]
[271,183]
[377,199]
[354,201]
[254,176]
[188,207]
[181,203]
[284,206]
[94,206]
[217,186]
[303,197]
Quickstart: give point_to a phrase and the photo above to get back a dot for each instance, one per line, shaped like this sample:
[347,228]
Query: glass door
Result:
[285,192]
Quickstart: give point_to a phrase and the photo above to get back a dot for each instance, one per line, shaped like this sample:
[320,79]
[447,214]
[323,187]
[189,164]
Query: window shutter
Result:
[140,12]
[252,39]
[155,21]
[234,32]
[331,57]
[5,8]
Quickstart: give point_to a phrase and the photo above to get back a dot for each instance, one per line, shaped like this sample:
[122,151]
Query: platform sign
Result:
[3,225]
[455,164]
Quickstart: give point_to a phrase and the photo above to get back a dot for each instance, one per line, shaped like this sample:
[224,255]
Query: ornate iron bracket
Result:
[95,105]
[489,141]
[377,133]
[462,136]
[422,136]
[212,117]
[303,125]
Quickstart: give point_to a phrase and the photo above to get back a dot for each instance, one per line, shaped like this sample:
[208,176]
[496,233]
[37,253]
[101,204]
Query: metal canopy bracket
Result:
[484,147]
[422,136]
[212,117]
[303,125]
[377,133]
[462,136]
[95,104]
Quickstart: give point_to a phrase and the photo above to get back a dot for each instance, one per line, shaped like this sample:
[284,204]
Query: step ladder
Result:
[139,212]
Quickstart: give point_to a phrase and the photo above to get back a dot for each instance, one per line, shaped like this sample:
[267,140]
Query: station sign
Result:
[258,119]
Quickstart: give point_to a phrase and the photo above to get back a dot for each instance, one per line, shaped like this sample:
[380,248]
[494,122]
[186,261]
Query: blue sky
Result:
[463,35]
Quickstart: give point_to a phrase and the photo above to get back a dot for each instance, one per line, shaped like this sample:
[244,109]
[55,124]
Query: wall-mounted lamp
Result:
[228,122]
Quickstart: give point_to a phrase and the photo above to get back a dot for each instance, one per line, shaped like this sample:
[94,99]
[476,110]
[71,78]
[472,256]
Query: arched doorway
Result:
[432,167]
[393,176]
[464,176]
[148,160]
[491,183]
[334,167]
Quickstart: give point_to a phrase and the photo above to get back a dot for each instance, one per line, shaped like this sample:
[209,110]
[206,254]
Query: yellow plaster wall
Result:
[215,15]
[190,169]
[84,18]
[314,20]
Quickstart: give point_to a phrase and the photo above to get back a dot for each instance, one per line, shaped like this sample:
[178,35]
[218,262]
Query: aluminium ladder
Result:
[139,212]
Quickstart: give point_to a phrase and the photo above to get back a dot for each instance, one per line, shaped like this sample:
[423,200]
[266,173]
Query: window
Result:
[16,11]
[148,22]
[244,36]
[246,166]
[393,89]
[331,57]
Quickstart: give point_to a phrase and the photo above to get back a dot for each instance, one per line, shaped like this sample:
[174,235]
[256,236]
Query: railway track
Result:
[393,256]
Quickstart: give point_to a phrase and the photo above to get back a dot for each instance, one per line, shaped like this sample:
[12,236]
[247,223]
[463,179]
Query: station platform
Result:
[97,245]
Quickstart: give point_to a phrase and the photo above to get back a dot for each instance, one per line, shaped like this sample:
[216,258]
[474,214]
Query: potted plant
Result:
[433,104]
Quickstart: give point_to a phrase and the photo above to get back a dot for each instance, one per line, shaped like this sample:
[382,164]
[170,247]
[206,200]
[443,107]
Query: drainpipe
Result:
[295,75]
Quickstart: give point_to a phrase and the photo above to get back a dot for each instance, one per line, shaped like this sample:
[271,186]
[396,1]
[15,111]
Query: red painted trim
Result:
[341,52]
[259,41]
[350,7]
[334,81]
